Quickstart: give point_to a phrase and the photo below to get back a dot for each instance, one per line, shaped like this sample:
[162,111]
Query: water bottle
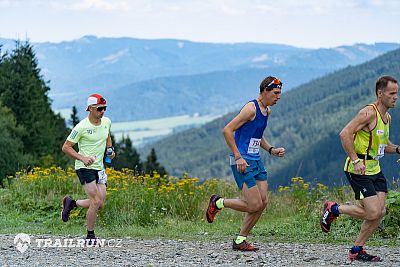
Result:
[108,154]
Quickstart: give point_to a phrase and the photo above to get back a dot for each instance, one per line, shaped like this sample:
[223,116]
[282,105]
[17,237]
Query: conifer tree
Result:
[127,156]
[11,143]
[152,164]
[74,119]
[23,90]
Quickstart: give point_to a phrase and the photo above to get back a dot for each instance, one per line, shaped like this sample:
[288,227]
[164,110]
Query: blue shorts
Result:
[255,171]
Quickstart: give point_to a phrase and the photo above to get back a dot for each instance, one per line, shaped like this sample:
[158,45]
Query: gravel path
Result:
[131,252]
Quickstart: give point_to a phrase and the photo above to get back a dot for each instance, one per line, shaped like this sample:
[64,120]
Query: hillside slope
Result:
[306,122]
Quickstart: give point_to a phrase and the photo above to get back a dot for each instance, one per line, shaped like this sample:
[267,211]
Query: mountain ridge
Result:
[112,65]
[306,121]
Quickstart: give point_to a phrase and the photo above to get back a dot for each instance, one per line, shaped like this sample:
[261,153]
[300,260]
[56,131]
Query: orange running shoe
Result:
[212,208]
[244,246]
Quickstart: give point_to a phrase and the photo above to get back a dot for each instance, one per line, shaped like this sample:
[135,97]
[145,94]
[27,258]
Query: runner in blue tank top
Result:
[244,137]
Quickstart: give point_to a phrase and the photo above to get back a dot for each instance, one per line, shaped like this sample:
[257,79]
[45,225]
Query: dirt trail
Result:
[131,252]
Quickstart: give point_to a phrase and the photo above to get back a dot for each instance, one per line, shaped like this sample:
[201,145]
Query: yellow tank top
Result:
[372,144]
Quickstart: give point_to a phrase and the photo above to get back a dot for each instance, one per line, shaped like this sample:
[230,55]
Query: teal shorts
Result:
[255,171]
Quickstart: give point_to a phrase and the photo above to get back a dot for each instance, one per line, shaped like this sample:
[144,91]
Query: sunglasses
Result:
[101,108]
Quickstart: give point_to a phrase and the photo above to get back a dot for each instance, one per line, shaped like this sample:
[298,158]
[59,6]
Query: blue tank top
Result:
[248,136]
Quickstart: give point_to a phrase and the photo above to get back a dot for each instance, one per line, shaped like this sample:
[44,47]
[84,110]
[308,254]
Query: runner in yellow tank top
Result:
[366,139]
[370,146]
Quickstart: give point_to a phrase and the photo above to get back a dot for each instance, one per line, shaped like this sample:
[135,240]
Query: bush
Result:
[391,221]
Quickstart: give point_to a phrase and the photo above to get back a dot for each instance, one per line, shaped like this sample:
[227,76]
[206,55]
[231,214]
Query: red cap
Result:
[95,99]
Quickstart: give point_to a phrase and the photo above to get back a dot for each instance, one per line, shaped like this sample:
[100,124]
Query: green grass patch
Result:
[151,207]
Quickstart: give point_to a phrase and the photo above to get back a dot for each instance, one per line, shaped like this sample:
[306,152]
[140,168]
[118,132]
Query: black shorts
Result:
[367,185]
[88,175]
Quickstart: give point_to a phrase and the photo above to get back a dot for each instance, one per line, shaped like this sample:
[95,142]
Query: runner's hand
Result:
[278,151]
[359,168]
[241,165]
[87,161]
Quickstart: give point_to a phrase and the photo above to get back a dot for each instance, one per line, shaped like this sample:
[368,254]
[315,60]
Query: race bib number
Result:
[381,152]
[254,146]
[102,177]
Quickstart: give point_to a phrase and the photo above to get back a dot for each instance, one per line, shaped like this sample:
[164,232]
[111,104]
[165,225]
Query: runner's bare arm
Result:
[275,151]
[68,148]
[361,121]
[109,144]
[392,148]
[247,113]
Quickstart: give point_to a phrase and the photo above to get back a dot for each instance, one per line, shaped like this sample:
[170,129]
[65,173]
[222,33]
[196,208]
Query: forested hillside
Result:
[306,122]
[31,133]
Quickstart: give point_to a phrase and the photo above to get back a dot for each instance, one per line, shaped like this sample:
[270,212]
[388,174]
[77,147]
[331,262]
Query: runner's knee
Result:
[374,215]
[95,202]
[256,207]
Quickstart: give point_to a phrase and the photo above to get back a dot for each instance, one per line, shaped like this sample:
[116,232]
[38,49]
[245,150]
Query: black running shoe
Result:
[67,206]
[363,256]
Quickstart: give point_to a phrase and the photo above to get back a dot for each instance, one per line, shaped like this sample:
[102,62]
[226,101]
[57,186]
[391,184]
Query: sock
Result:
[220,203]
[74,204]
[239,239]
[335,210]
[356,249]
[90,234]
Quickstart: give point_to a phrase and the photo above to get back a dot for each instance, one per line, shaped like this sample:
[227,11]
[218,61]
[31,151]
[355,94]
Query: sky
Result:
[301,23]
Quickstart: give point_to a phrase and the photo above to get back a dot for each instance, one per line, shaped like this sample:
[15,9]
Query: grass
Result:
[145,206]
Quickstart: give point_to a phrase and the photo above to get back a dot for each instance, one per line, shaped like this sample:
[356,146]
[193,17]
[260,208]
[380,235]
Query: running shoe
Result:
[327,216]
[363,256]
[244,246]
[67,206]
[212,209]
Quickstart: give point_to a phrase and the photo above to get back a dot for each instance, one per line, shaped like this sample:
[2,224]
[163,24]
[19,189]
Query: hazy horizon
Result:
[306,23]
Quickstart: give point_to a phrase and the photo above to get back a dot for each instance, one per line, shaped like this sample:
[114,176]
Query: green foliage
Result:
[10,142]
[74,119]
[152,165]
[147,205]
[391,222]
[127,156]
[24,92]
[306,121]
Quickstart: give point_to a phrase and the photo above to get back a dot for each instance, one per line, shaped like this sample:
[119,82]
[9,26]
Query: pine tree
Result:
[126,156]
[23,90]
[152,164]
[74,120]
[10,142]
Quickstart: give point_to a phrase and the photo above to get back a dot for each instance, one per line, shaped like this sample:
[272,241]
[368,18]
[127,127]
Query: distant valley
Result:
[149,79]
[306,121]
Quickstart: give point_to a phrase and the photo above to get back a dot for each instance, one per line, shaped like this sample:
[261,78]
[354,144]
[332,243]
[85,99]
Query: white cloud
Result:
[105,5]
[306,23]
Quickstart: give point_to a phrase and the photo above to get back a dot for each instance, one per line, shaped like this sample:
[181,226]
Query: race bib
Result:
[381,151]
[102,177]
[254,146]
